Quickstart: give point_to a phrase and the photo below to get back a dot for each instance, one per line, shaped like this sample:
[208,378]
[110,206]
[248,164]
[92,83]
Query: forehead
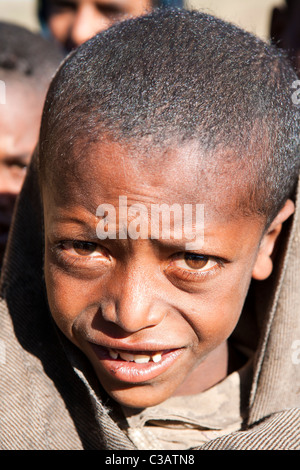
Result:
[180,174]
[22,97]
[20,118]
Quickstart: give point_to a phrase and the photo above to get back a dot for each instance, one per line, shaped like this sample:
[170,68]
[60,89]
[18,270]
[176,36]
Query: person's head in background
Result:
[27,64]
[72,22]
[285,30]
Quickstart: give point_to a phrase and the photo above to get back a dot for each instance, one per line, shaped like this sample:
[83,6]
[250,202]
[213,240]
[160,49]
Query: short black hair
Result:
[183,75]
[25,55]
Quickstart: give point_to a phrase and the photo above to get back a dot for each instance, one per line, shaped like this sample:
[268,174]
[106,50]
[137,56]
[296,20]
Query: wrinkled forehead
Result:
[171,174]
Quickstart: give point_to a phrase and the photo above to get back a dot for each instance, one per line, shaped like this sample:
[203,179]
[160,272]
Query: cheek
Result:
[59,25]
[61,299]
[67,297]
[218,311]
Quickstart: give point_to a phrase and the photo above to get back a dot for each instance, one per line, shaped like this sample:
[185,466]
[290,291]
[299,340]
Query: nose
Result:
[88,22]
[134,302]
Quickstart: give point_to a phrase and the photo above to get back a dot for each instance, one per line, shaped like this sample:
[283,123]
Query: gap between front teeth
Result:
[137,358]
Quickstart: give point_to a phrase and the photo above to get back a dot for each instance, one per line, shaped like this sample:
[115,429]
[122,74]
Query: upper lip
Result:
[138,347]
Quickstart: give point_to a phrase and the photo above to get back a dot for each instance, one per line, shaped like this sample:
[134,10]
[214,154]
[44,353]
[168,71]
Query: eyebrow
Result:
[73,227]
[78,227]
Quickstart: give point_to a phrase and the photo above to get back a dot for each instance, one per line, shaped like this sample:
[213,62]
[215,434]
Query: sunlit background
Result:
[252,15]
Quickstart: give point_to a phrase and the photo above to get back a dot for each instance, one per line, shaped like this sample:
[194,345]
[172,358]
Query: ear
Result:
[264,264]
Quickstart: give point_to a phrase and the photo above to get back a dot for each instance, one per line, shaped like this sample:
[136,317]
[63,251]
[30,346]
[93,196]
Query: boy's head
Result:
[27,63]
[177,111]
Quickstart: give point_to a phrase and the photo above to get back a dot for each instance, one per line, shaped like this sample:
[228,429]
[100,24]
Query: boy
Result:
[176,332]
[73,22]
[27,64]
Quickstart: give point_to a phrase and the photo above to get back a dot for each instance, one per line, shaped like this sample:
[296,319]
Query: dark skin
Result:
[148,296]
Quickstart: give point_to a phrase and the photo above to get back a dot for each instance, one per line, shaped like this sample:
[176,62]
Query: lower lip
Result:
[133,373]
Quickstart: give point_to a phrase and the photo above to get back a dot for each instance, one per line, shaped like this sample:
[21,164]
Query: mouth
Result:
[137,357]
[134,367]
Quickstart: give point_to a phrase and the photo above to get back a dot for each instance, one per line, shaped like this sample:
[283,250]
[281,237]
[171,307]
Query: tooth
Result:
[113,354]
[156,357]
[137,358]
[126,356]
[141,359]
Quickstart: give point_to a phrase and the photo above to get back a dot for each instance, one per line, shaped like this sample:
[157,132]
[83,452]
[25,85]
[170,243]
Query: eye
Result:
[193,267]
[83,249]
[195,262]
[61,5]
[81,257]
[16,164]
[109,10]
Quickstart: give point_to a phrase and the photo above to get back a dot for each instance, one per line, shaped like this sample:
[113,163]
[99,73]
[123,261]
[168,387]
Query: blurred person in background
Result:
[72,22]
[285,30]
[27,63]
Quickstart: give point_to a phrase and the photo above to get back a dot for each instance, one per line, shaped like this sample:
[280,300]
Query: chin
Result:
[142,396]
